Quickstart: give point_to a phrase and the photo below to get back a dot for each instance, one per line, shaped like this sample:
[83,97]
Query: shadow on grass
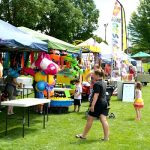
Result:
[16,120]
[82,141]
[130,119]
[16,133]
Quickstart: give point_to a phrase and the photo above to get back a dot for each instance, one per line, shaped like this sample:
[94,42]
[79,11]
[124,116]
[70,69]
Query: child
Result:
[40,95]
[77,95]
[138,103]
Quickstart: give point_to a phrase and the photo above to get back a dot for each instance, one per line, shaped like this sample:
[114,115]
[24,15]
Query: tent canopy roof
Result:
[13,38]
[140,55]
[53,43]
[90,44]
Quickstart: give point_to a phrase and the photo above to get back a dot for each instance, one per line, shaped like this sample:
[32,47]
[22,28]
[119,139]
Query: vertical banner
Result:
[124,30]
[119,32]
[116,29]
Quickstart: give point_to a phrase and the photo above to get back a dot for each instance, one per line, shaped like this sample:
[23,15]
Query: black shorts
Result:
[77,102]
[100,108]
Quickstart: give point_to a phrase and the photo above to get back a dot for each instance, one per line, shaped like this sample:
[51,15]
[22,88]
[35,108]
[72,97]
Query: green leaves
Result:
[67,20]
[139,26]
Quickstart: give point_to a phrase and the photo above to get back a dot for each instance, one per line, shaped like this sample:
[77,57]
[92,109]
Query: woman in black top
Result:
[98,107]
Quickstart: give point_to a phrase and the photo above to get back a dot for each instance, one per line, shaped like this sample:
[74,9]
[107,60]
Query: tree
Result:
[64,19]
[98,39]
[71,20]
[61,22]
[24,12]
[139,27]
[90,19]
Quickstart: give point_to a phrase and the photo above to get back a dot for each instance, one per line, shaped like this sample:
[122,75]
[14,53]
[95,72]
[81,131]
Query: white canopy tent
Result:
[106,51]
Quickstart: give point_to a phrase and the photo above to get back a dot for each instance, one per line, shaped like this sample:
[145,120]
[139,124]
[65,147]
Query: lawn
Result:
[125,132]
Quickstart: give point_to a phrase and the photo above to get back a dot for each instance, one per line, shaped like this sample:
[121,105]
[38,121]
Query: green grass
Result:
[146,67]
[125,132]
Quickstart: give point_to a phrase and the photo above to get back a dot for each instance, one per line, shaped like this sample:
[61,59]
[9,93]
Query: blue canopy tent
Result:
[12,38]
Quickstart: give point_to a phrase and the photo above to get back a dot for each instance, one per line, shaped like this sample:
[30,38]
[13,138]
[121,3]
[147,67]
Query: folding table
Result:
[26,103]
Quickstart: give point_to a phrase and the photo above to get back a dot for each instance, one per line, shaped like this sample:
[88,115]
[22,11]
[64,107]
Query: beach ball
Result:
[40,86]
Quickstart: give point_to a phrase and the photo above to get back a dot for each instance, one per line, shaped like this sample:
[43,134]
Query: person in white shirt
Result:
[77,95]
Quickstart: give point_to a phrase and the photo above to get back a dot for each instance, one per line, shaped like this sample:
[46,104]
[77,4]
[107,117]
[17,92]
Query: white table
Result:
[25,87]
[25,80]
[61,89]
[26,103]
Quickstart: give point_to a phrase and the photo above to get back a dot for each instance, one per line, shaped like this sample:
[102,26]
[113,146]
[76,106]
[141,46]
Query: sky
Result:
[106,8]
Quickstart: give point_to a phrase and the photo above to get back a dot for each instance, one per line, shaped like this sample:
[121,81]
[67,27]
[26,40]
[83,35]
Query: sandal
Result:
[80,136]
[105,139]
[9,114]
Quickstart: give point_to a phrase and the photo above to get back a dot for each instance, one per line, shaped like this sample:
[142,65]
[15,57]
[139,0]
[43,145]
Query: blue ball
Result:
[40,86]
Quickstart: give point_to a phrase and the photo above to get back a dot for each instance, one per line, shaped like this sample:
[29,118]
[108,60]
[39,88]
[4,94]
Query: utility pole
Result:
[105,25]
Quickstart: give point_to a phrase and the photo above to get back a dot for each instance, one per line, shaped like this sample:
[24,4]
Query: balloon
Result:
[41,85]
[29,71]
[39,77]
[76,67]
[45,64]
[73,55]
[55,57]
[49,87]
[51,80]
[51,93]
[74,73]
[51,69]
[81,71]
[13,73]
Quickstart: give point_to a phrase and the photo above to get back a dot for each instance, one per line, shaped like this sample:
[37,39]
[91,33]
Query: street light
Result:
[105,25]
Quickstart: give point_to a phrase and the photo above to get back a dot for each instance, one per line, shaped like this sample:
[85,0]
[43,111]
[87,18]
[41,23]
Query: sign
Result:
[128,92]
